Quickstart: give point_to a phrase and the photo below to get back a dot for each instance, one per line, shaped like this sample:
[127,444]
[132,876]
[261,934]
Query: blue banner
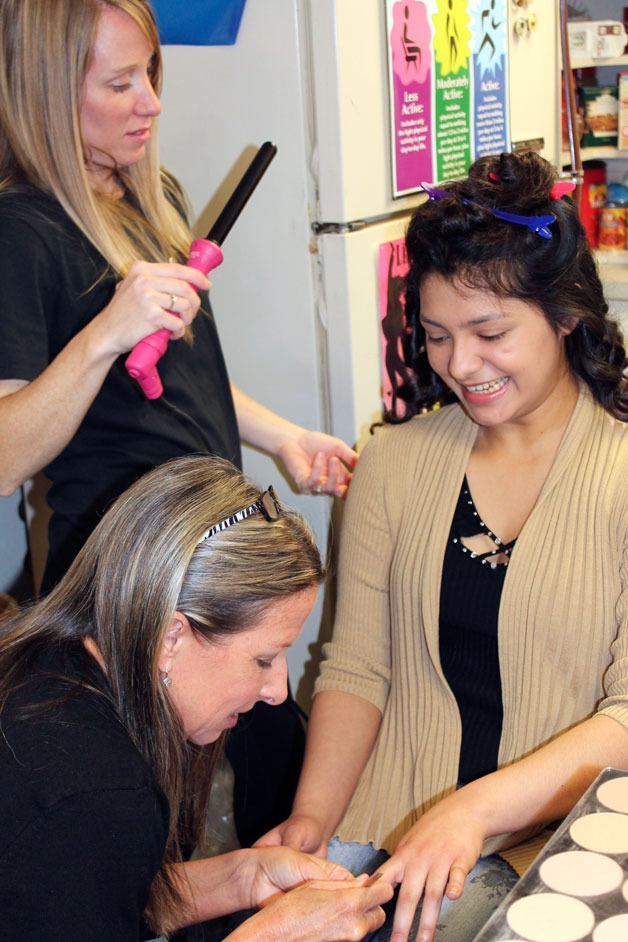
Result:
[198,22]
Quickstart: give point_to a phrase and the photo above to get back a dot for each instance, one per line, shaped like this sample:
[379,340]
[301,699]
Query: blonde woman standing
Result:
[89,228]
[88,223]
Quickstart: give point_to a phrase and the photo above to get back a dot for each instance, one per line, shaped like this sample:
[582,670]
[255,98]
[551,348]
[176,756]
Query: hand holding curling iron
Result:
[205,255]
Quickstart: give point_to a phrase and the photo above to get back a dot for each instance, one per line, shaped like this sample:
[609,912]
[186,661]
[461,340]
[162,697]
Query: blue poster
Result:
[198,22]
[490,117]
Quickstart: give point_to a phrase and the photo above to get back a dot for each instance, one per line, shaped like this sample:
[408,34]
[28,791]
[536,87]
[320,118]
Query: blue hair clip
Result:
[537,224]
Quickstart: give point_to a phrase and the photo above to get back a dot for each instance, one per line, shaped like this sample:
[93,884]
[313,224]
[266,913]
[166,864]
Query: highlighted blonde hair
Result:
[142,563]
[45,51]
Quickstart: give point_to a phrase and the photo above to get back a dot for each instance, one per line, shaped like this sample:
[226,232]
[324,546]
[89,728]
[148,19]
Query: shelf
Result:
[595,153]
[611,258]
[585,63]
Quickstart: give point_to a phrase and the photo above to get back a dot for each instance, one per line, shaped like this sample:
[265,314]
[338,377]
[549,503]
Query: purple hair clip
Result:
[538,224]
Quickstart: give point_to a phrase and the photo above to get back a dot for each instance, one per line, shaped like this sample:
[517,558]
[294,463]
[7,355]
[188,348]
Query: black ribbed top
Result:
[469,608]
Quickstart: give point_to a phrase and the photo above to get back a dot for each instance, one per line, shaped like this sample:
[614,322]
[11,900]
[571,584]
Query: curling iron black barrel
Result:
[240,196]
[205,255]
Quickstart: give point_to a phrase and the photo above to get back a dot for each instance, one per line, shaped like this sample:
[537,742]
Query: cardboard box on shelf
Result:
[596,39]
[601,106]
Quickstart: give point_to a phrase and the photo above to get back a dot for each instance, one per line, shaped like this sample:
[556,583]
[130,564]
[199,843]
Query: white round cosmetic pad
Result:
[581,873]
[614,794]
[550,917]
[606,832]
[614,929]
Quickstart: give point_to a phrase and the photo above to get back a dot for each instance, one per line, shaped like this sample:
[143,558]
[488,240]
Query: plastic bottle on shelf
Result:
[594,196]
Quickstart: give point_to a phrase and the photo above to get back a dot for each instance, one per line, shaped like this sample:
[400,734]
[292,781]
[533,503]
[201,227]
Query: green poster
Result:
[452,88]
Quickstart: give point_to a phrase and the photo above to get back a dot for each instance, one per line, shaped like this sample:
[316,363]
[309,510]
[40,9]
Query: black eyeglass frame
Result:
[267,504]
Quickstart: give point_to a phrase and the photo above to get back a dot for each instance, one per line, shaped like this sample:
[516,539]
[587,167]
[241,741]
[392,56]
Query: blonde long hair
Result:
[140,565]
[45,50]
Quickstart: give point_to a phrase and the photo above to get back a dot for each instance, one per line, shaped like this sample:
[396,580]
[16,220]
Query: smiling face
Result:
[500,356]
[212,682]
[118,102]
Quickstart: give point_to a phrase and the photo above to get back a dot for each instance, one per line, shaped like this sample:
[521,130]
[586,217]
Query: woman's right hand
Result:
[320,911]
[300,832]
[142,302]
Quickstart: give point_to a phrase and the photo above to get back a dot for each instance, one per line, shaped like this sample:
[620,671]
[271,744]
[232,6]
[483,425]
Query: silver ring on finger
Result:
[173,301]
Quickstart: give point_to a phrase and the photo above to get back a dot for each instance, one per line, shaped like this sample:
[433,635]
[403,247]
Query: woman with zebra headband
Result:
[116,691]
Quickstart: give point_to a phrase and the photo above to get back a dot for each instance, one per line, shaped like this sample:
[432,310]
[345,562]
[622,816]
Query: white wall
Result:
[219,105]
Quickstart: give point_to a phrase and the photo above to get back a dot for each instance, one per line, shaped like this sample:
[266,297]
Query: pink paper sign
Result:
[392,269]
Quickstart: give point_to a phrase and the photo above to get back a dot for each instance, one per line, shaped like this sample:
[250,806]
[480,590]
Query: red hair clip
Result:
[561,189]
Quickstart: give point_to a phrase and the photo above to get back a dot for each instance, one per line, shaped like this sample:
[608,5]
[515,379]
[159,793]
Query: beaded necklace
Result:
[501,548]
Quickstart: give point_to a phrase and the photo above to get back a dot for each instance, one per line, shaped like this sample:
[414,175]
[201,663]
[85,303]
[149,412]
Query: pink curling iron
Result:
[205,254]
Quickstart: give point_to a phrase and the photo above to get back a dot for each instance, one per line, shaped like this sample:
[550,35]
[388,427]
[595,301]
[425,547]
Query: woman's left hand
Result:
[432,860]
[318,463]
[277,869]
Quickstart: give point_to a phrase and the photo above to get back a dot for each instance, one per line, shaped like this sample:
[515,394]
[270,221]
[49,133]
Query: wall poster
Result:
[448,74]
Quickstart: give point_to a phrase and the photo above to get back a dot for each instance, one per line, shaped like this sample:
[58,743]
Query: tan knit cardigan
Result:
[563,619]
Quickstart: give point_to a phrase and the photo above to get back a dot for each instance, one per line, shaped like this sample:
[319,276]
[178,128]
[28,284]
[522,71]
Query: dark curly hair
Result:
[465,243]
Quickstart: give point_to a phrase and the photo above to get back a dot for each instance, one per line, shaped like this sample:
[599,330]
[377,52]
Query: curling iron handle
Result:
[141,363]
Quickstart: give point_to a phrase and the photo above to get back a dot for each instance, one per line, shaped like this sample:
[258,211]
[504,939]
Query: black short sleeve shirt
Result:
[53,282]
[83,821]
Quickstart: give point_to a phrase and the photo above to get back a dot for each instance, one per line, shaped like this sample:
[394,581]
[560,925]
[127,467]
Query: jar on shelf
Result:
[612,228]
